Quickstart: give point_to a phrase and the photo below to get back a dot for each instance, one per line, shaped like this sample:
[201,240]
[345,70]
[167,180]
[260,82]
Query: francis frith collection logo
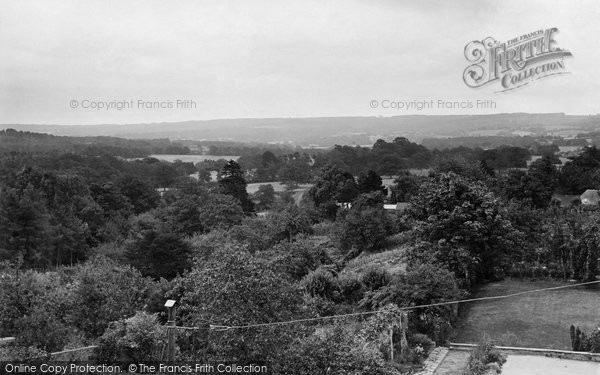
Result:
[514,63]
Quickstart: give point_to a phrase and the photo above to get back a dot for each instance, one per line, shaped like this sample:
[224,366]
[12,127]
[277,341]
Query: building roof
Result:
[590,197]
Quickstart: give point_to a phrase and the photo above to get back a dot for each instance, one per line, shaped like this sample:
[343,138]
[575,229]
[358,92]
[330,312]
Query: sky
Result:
[61,60]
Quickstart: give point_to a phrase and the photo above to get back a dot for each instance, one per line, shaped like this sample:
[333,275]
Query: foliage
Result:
[159,255]
[573,244]
[295,171]
[202,212]
[424,284]
[484,358]
[235,288]
[534,186]
[265,197]
[365,226]
[101,292]
[578,175]
[136,339]
[321,283]
[375,277]
[463,215]
[21,353]
[370,181]
[580,342]
[298,258]
[336,351]
[333,186]
[42,328]
[405,186]
[141,194]
[232,183]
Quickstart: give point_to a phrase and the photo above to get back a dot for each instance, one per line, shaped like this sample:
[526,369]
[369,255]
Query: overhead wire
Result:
[217,328]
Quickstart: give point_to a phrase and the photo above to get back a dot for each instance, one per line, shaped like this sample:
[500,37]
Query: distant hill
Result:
[327,131]
[12,140]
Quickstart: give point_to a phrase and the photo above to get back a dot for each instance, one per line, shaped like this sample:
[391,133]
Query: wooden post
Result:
[403,341]
[170,305]
[392,343]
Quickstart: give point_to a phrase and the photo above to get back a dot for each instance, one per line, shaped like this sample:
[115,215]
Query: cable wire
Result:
[219,328]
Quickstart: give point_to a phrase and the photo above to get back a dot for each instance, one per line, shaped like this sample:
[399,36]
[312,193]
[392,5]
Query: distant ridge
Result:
[327,131]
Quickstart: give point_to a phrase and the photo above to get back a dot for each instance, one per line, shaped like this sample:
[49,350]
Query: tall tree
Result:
[332,187]
[159,255]
[141,194]
[461,214]
[24,226]
[232,183]
[370,181]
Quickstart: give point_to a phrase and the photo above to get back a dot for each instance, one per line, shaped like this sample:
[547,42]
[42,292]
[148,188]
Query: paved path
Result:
[433,361]
[539,365]
[454,363]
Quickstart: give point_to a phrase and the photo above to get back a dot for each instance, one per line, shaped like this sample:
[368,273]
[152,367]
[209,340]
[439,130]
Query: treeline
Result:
[385,158]
[53,209]
[20,141]
[243,149]
[485,142]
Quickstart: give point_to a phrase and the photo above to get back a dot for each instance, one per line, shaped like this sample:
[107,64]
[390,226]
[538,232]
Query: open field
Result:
[537,320]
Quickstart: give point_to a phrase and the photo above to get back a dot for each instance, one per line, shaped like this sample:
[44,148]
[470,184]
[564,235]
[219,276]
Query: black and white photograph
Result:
[287,187]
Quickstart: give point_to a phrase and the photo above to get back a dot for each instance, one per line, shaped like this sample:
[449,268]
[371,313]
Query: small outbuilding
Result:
[590,198]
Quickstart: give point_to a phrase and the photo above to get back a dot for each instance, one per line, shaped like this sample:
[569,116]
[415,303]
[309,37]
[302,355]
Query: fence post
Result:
[170,305]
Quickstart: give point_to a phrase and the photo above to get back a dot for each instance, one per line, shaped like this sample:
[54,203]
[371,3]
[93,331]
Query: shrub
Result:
[580,342]
[351,288]
[298,258]
[485,357]
[375,278]
[419,339]
[333,351]
[321,283]
[42,329]
[21,353]
[139,338]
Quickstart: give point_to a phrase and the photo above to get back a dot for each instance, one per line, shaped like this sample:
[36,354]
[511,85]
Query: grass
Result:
[391,260]
[537,320]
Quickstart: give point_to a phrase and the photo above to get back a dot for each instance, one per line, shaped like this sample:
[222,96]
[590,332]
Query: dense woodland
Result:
[92,245]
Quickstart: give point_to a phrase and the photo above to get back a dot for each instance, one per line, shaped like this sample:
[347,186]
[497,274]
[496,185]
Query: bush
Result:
[137,339]
[375,278]
[419,339]
[22,353]
[351,288]
[335,351]
[485,357]
[580,342]
[321,283]
[104,291]
[364,228]
[42,329]
[297,259]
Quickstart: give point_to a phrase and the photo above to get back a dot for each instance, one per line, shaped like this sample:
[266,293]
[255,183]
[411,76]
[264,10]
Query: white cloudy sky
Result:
[254,58]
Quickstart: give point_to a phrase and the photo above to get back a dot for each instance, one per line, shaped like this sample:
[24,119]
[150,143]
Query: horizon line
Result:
[301,118]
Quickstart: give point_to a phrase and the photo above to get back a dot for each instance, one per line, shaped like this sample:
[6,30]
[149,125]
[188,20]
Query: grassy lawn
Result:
[537,320]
